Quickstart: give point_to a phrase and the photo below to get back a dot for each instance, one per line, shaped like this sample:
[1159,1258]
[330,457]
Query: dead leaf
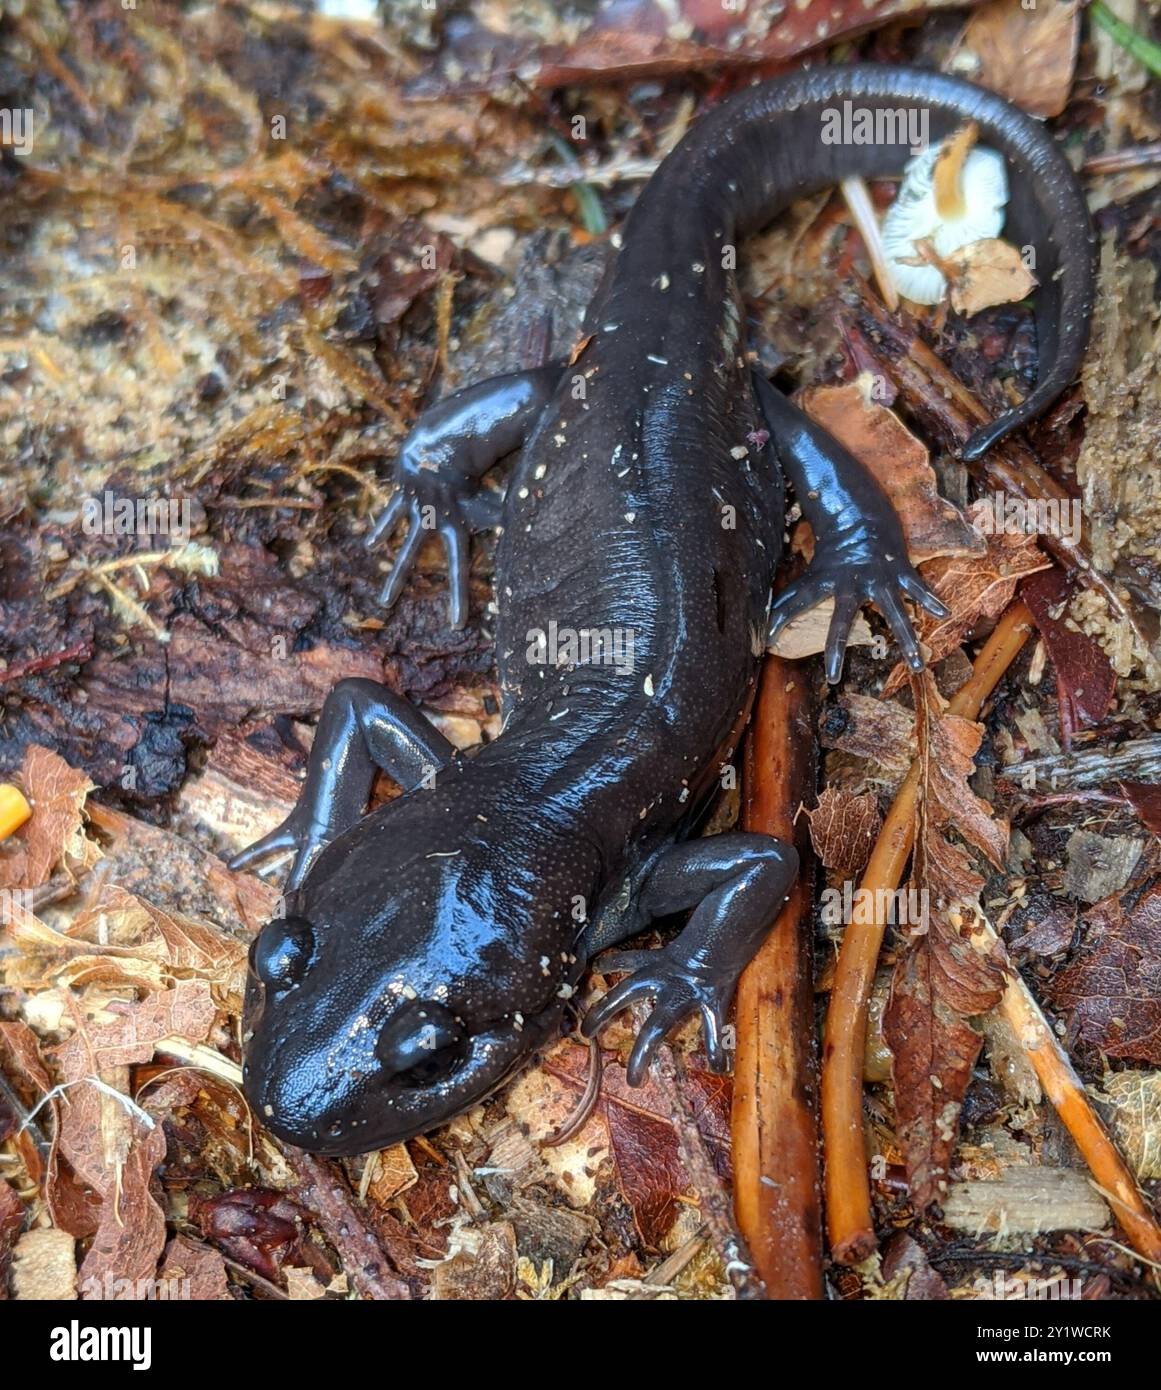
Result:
[877,437]
[947,748]
[881,731]
[1085,679]
[844,827]
[975,588]
[1145,799]
[942,980]
[1111,994]
[94,1133]
[1026,53]
[11,1220]
[1134,1099]
[904,1258]
[486,1272]
[55,832]
[259,1228]
[987,272]
[193,1272]
[122,1260]
[643,1143]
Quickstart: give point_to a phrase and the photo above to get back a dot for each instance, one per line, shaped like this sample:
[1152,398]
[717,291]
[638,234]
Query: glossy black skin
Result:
[432,945]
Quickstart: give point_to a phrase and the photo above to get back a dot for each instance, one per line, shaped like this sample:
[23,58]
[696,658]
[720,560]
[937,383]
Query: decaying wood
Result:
[1138,760]
[1026,1200]
[774,1120]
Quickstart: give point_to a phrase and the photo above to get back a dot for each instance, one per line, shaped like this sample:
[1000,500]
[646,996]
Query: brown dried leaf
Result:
[879,440]
[1027,54]
[486,1273]
[1112,993]
[642,1139]
[881,731]
[1135,1101]
[987,272]
[57,794]
[974,589]
[198,1271]
[94,1132]
[124,940]
[938,985]
[947,748]
[942,980]
[844,827]
[1085,679]
[122,1261]
[11,1220]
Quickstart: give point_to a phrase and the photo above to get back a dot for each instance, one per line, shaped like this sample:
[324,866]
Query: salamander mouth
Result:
[387,1111]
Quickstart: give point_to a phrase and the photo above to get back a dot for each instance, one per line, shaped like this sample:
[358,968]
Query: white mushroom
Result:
[951,195]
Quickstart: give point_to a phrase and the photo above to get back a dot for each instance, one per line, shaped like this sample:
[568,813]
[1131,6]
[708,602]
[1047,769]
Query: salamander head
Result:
[399,990]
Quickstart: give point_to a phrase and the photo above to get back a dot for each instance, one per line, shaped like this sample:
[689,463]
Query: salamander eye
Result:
[281,952]
[421,1043]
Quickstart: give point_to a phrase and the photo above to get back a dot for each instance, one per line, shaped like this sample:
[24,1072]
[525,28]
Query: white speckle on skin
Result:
[739,451]
[649,686]
[662,281]
[630,517]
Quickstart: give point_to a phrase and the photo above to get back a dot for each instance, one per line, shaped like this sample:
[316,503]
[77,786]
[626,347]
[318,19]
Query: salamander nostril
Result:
[282,952]
[421,1043]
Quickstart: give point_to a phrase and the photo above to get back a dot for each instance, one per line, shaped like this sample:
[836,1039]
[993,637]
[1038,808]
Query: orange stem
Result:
[777,1197]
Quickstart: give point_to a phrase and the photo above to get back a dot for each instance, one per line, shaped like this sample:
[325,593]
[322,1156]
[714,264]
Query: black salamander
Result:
[429,948]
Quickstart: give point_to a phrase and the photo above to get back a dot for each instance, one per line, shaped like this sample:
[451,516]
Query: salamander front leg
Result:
[736,885]
[363,726]
[439,467]
[860,554]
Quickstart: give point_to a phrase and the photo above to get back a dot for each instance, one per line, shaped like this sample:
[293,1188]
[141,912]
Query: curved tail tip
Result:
[981,440]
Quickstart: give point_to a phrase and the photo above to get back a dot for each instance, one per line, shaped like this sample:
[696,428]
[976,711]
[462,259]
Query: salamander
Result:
[426,949]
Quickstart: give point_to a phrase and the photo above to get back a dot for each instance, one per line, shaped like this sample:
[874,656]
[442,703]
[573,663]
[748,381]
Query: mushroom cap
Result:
[914,216]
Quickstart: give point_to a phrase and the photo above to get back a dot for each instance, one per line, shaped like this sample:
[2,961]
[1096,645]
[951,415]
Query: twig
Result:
[1065,1090]
[712,1197]
[850,1225]
[323,1191]
[1121,161]
[774,1121]
[38,665]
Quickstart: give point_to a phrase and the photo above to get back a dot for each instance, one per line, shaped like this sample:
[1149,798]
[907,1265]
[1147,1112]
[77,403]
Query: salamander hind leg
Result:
[438,471]
[363,726]
[736,884]
[860,553]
